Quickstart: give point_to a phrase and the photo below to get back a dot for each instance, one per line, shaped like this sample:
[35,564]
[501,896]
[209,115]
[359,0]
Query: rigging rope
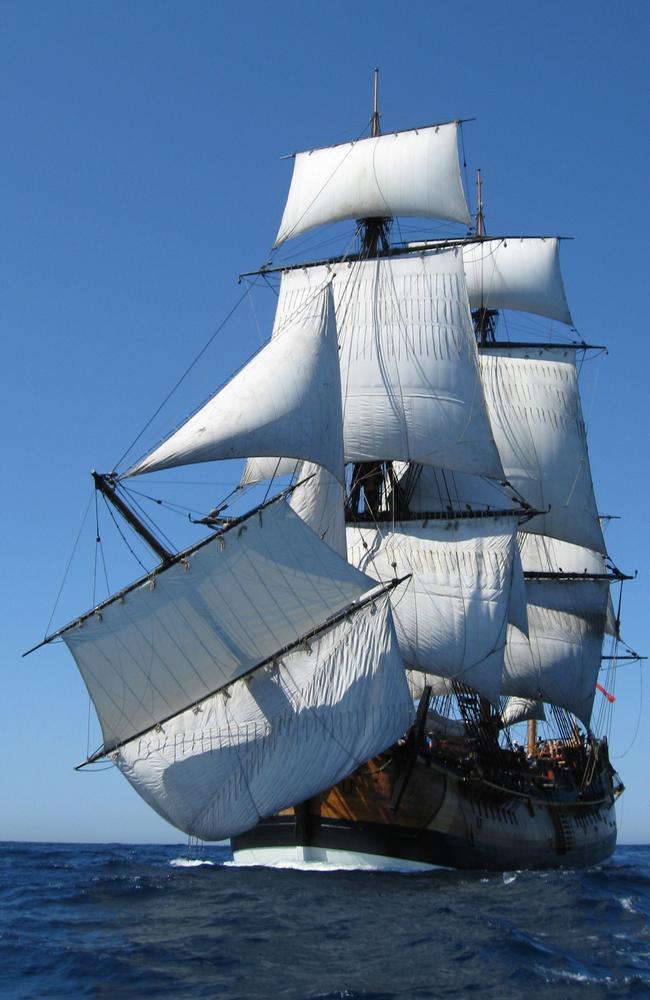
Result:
[72,555]
[186,373]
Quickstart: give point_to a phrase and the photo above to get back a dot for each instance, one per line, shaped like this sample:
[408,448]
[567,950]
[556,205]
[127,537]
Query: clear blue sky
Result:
[141,172]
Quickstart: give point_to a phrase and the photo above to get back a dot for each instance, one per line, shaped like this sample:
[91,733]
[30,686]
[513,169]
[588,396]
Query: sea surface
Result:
[120,922]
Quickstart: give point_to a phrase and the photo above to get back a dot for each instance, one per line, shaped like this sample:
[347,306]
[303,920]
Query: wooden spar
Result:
[234,523]
[561,575]
[480,222]
[106,488]
[374,595]
[374,124]
[395,250]
[531,736]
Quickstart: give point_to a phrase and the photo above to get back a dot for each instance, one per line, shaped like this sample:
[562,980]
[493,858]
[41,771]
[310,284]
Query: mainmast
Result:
[374,231]
[484,319]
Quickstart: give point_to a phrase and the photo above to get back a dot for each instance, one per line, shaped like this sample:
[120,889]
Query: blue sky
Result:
[142,172]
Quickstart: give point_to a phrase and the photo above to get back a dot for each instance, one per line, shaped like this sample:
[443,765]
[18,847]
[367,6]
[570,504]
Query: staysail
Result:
[286,400]
[411,173]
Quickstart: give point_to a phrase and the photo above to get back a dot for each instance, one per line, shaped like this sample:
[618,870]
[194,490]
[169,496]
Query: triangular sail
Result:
[516,273]
[451,616]
[209,618]
[319,499]
[411,173]
[286,400]
[536,417]
[285,734]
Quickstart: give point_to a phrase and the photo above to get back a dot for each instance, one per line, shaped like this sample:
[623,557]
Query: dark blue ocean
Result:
[121,922]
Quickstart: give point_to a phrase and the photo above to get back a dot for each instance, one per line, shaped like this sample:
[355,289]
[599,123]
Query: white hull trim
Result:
[323,859]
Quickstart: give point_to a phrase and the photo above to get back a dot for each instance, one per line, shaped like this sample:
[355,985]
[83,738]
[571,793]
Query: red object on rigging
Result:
[610,697]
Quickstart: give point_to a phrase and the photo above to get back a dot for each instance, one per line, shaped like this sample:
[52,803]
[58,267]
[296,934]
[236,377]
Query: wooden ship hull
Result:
[397,814]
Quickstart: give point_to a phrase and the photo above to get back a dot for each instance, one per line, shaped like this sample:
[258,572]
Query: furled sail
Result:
[560,660]
[536,417]
[409,372]
[522,710]
[451,616]
[282,735]
[411,173]
[196,626]
[517,273]
[286,400]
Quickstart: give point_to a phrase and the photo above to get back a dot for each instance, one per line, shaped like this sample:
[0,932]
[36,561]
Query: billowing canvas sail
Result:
[517,273]
[560,660]
[522,710]
[286,401]
[541,554]
[536,417]
[409,371]
[256,470]
[412,173]
[432,489]
[209,618]
[451,616]
[319,500]
[284,734]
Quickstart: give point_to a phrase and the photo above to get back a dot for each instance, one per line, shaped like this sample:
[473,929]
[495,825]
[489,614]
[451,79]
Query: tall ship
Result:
[392,659]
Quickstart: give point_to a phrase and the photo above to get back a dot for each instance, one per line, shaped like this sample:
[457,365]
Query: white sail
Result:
[451,616]
[536,417]
[431,490]
[286,401]
[412,173]
[560,660]
[280,736]
[435,490]
[319,499]
[409,370]
[541,554]
[256,470]
[522,710]
[517,273]
[199,624]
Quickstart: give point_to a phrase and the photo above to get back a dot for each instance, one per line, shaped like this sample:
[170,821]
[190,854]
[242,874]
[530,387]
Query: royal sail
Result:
[411,173]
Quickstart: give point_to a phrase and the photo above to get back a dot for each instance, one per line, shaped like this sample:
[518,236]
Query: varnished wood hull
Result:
[444,818]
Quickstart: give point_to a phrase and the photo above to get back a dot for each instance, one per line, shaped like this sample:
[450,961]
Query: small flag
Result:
[610,697]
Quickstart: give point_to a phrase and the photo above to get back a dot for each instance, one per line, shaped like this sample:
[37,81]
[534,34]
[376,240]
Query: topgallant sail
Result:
[339,674]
